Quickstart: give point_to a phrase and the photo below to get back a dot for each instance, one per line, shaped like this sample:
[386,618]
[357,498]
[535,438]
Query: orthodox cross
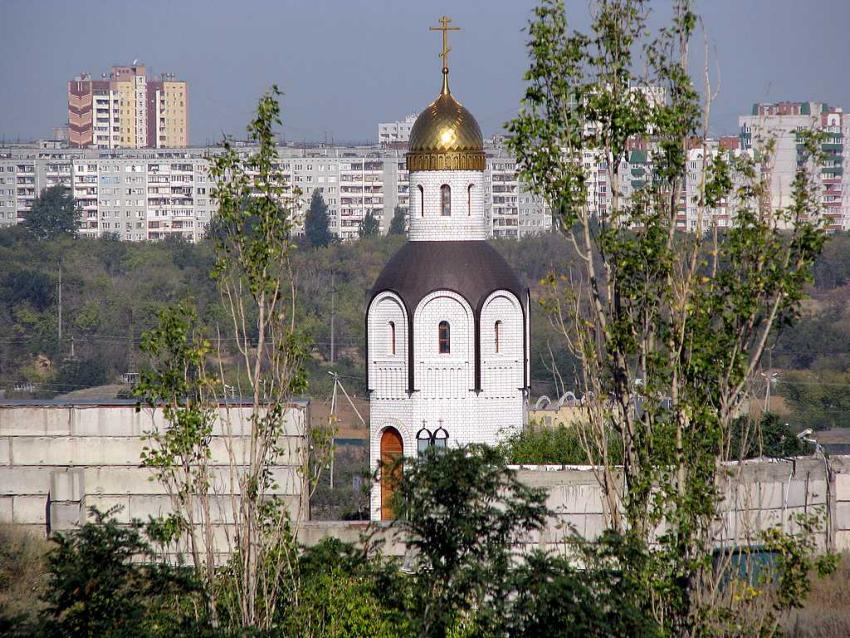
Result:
[445,28]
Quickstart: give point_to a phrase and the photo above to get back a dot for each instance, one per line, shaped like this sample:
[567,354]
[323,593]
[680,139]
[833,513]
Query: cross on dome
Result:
[445,28]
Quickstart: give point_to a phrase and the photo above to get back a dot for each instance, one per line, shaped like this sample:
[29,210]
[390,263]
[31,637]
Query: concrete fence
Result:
[758,494]
[58,459]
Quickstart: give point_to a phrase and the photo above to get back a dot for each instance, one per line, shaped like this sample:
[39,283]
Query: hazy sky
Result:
[345,65]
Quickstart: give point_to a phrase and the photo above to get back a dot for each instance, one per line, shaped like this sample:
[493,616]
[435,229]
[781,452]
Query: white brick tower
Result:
[447,330]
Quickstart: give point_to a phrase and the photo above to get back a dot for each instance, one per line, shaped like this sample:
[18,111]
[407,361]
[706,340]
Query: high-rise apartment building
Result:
[127,110]
[782,122]
[397,132]
[139,195]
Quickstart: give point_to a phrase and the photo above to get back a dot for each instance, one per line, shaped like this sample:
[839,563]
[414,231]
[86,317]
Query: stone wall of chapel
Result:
[465,222]
[502,371]
[387,364]
[444,377]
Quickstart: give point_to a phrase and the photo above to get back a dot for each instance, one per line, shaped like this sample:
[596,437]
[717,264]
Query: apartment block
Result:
[397,132]
[782,123]
[150,194]
[128,110]
[511,209]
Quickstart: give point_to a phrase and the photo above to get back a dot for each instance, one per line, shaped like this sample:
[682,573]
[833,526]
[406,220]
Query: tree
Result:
[398,224]
[54,213]
[98,586]
[464,515]
[316,222]
[462,512]
[773,438]
[370,226]
[669,328]
[259,333]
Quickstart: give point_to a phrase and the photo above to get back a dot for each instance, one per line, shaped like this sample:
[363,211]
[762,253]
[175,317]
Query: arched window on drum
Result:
[445,200]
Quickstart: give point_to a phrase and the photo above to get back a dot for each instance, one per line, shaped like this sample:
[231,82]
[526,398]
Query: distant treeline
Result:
[113,290]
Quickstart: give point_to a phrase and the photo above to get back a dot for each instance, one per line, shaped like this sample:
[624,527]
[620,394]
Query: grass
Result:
[23,574]
[827,610]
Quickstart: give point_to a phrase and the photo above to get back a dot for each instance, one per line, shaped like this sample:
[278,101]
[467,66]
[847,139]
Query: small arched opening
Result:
[445,200]
[421,201]
[444,338]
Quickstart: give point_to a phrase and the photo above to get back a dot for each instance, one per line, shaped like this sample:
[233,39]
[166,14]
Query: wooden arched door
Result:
[392,449]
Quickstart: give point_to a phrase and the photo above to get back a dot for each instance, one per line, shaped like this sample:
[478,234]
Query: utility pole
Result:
[333,311]
[59,331]
[332,419]
[333,427]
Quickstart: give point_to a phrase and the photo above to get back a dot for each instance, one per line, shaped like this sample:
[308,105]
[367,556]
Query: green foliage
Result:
[370,226]
[558,445]
[771,437]
[463,511]
[99,587]
[398,224]
[53,214]
[554,598]
[32,287]
[819,398]
[464,514]
[337,605]
[76,373]
[317,223]
[675,324]
[797,558]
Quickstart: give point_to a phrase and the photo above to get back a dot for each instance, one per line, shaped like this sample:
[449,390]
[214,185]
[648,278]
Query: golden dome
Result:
[445,136]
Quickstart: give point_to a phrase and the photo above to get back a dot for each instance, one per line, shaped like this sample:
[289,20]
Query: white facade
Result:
[781,123]
[447,324]
[396,132]
[464,215]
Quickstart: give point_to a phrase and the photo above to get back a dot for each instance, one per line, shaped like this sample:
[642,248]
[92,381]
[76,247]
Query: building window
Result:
[498,330]
[469,199]
[423,441]
[444,337]
[440,438]
[426,439]
[421,201]
[445,200]
[392,337]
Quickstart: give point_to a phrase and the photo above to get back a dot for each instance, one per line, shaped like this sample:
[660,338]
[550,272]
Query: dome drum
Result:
[447,161]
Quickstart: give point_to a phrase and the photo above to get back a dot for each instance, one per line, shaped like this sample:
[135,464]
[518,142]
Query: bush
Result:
[98,586]
[560,445]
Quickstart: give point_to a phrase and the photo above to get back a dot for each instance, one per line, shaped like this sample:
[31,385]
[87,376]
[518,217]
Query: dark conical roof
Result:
[473,269]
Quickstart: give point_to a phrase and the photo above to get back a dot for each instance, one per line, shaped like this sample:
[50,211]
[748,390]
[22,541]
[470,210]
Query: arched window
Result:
[392,337]
[469,199]
[445,200]
[498,331]
[440,438]
[421,201]
[444,338]
[423,440]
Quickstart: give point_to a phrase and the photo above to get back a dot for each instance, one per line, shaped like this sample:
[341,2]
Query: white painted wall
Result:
[465,222]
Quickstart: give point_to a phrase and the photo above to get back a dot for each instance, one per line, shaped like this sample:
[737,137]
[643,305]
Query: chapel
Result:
[447,330]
